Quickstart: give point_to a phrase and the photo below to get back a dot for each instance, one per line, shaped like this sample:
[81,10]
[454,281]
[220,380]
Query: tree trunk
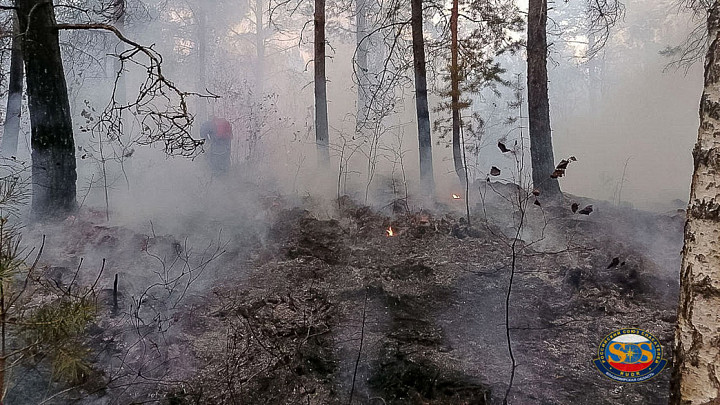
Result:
[594,83]
[11,132]
[53,147]
[421,99]
[541,149]
[455,93]
[260,50]
[119,11]
[119,22]
[255,126]
[321,113]
[362,63]
[201,81]
[3,342]
[696,357]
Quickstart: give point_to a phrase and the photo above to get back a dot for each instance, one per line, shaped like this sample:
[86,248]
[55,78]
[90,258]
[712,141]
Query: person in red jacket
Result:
[218,135]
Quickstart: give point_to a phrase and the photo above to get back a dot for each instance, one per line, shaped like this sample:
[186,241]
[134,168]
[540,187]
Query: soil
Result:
[337,311]
[327,308]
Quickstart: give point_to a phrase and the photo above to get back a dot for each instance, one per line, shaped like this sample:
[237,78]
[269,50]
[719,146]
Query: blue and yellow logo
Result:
[630,356]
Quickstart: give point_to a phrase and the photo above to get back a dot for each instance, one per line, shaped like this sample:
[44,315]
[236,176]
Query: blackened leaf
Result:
[562,166]
[622,264]
[587,210]
[615,261]
[503,148]
[494,171]
[574,207]
[537,203]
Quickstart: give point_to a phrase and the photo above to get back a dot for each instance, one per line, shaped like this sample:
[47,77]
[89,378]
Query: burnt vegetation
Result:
[191,213]
[339,308]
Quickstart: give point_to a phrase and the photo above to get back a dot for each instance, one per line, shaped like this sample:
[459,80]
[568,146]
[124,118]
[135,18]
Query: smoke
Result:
[635,145]
[629,121]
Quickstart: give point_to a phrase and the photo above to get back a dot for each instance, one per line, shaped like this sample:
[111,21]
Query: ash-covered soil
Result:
[322,306]
[334,307]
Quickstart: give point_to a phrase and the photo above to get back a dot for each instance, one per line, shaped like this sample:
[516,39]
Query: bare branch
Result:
[171,126]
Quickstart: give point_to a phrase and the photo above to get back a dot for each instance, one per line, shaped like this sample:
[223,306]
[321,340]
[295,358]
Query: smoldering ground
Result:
[314,302]
[271,285]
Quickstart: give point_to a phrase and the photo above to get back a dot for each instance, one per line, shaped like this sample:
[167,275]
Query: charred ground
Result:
[334,306]
[323,306]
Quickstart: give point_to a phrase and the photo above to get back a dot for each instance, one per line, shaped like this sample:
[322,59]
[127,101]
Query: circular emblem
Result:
[630,356]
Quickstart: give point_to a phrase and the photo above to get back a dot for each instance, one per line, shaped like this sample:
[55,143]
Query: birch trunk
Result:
[696,357]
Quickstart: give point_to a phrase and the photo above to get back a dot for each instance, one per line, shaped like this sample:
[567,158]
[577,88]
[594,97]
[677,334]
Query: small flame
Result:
[390,231]
[456,197]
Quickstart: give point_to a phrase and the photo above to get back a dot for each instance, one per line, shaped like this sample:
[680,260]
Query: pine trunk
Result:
[119,22]
[541,149]
[53,147]
[455,93]
[421,99]
[321,109]
[594,77]
[260,50]
[201,81]
[259,90]
[11,131]
[696,376]
[362,63]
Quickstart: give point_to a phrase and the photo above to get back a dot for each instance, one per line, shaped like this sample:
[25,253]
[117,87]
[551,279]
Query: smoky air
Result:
[359,202]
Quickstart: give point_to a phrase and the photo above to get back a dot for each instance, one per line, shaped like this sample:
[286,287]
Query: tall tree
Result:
[54,174]
[321,112]
[53,148]
[455,92]
[595,67]
[696,358]
[260,38]
[541,148]
[472,66]
[118,19]
[11,131]
[421,98]
[361,61]
[201,81]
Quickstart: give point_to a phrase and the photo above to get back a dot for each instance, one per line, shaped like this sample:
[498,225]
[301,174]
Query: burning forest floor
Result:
[329,308]
[336,307]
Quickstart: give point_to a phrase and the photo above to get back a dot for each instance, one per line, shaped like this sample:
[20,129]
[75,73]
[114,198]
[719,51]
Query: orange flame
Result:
[456,197]
[390,231]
